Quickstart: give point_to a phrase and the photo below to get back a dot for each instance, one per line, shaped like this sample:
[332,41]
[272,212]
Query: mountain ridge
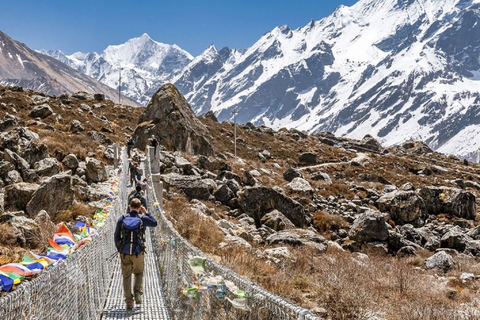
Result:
[396,70]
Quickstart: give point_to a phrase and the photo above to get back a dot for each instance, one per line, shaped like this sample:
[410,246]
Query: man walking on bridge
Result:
[130,243]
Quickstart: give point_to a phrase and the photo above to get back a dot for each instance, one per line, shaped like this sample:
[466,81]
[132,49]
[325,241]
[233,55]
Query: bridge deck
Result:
[154,302]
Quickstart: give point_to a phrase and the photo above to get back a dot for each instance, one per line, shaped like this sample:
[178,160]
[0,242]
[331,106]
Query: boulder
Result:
[30,231]
[369,226]
[403,206]
[298,237]
[215,164]
[257,201]
[12,157]
[8,121]
[12,177]
[169,117]
[223,194]
[292,173]
[194,187]
[76,126]
[5,167]
[371,143]
[42,111]
[455,239]
[99,137]
[276,221]
[99,97]
[18,195]
[53,195]
[17,139]
[307,158]
[321,176]
[441,261]
[420,236]
[266,154]
[454,201]
[300,186]
[96,171]
[35,152]
[248,179]
[70,162]
[47,167]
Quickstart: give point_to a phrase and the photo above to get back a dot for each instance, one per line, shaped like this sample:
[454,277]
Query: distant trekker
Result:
[130,243]
[130,145]
[138,193]
[154,144]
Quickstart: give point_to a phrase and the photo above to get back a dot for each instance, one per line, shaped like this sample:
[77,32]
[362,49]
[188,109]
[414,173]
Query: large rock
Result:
[96,171]
[406,206]
[292,173]
[257,201]
[455,239]
[277,221]
[298,237]
[307,158]
[12,177]
[169,117]
[449,200]
[371,143]
[17,139]
[19,163]
[70,162]
[441,261]
[18,195]
[8,121]
[215,164]
[194,187]
[41,111]
[300,186]
[35,152]
[47,167]
[369,226]
[223,194]
[53,195]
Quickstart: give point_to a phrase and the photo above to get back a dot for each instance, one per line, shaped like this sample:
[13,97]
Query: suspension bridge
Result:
[88,283]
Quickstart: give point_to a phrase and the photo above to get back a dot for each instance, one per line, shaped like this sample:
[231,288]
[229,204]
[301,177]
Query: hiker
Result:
[154,144]
[131,169]
[130,145]
[138,172]
[144,184]
[137,193]
[130,243]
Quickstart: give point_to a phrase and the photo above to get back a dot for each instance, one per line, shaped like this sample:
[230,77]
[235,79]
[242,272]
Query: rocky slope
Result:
[55,157]
[290,191]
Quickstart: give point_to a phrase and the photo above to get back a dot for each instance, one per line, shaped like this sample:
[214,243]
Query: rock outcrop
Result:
[54,194]
[169,117]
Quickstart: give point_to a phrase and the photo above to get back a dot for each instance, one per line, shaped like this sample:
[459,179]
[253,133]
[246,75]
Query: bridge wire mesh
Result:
[76,287]
[173,253]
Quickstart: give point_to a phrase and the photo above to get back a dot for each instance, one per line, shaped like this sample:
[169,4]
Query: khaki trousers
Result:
[132,264]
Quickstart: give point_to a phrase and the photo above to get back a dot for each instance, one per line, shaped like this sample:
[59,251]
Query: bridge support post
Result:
[116,155]
[158,187]
[154,163]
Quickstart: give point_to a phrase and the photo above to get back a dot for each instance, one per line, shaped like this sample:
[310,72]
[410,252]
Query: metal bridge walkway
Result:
[153,305]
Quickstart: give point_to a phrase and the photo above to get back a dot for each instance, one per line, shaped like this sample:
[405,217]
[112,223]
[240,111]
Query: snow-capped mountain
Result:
[396,69]
[20,65]
[145,65]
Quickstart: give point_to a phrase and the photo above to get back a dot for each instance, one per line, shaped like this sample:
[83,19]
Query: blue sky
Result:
[92,25]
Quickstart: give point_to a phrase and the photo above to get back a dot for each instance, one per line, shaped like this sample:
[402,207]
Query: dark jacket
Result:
[147,220]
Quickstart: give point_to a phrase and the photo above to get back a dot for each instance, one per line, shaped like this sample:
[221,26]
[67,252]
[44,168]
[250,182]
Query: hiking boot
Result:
[129,307]
[138,299]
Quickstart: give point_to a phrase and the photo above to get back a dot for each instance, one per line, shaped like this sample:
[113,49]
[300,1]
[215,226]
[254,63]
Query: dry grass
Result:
[198,230]
[323,222]
[78,209]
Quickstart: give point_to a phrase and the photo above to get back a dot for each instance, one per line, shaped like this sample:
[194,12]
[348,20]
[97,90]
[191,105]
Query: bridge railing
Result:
[173,253]
[76,287]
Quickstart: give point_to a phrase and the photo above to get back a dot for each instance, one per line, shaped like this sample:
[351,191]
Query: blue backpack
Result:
[132,234]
